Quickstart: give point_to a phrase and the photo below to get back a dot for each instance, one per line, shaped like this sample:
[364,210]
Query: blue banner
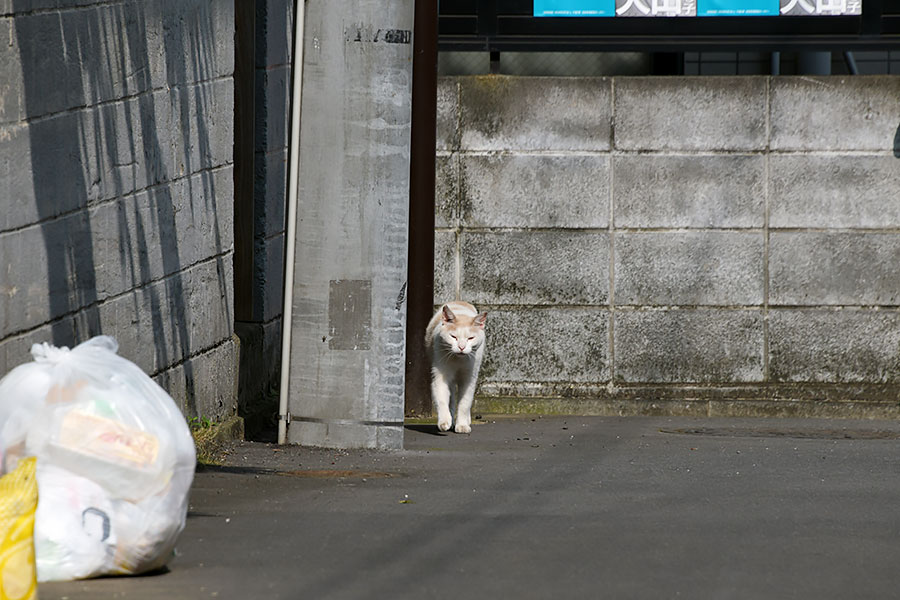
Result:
[574,8]
[695,8]
[737,8]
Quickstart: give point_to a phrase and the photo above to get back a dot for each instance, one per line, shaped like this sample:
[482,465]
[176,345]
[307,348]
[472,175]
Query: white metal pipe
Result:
[291,226]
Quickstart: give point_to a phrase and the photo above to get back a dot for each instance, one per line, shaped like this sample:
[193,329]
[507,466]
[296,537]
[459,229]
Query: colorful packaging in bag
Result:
[18,502]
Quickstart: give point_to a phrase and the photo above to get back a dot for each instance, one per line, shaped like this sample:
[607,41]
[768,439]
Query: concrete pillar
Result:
[349,315]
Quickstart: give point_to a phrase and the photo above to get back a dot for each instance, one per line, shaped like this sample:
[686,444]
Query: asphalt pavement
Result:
[552,507]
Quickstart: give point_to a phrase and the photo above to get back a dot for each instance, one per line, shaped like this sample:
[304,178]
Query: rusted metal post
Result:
[420,288]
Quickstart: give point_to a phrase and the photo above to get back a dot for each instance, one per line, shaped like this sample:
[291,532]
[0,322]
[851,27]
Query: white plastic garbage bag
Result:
[115,460]
[75,528]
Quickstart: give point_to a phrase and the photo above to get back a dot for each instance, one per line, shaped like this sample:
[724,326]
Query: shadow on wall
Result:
[114,119]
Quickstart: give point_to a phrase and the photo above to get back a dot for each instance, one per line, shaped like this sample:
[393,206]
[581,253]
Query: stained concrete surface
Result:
[691,214]
[561,507]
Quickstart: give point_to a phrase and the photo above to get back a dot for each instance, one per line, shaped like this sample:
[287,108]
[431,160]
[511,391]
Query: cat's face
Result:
[462,334]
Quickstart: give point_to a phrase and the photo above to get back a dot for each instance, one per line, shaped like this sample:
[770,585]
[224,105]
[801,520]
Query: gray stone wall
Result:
[261,336]
[274,22]
[116,190]
[676,245]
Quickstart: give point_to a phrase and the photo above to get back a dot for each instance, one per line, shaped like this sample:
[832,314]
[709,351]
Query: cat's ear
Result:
[449,317]
[481,319]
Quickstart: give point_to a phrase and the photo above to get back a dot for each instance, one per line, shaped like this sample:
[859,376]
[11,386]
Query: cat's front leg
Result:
[464,409]
[440,394]
[468,381]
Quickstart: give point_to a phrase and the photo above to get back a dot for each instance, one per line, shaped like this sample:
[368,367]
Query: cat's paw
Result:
[461,428]
[444,424]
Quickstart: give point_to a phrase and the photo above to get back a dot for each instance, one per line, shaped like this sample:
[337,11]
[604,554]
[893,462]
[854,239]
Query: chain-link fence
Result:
[560,64]
[587,64]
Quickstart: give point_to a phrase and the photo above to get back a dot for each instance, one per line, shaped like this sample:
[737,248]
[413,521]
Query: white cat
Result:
[455,340]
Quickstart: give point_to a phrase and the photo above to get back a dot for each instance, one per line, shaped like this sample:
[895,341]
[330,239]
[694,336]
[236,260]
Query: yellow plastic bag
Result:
[18,502]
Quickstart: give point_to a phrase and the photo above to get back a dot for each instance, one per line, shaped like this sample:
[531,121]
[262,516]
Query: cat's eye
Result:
[453,336]
[472,338]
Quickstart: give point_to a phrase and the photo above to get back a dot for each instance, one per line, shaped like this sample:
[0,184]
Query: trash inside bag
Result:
[115,460]
[18,501]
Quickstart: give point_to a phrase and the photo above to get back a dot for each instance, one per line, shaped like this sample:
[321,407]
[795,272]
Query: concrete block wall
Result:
[261,336]
[116,189]
[274,22]
[678,245]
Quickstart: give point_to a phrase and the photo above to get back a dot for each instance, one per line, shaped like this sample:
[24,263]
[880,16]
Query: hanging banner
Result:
[574,8]
[695,8]
[656,8]
[737,8]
